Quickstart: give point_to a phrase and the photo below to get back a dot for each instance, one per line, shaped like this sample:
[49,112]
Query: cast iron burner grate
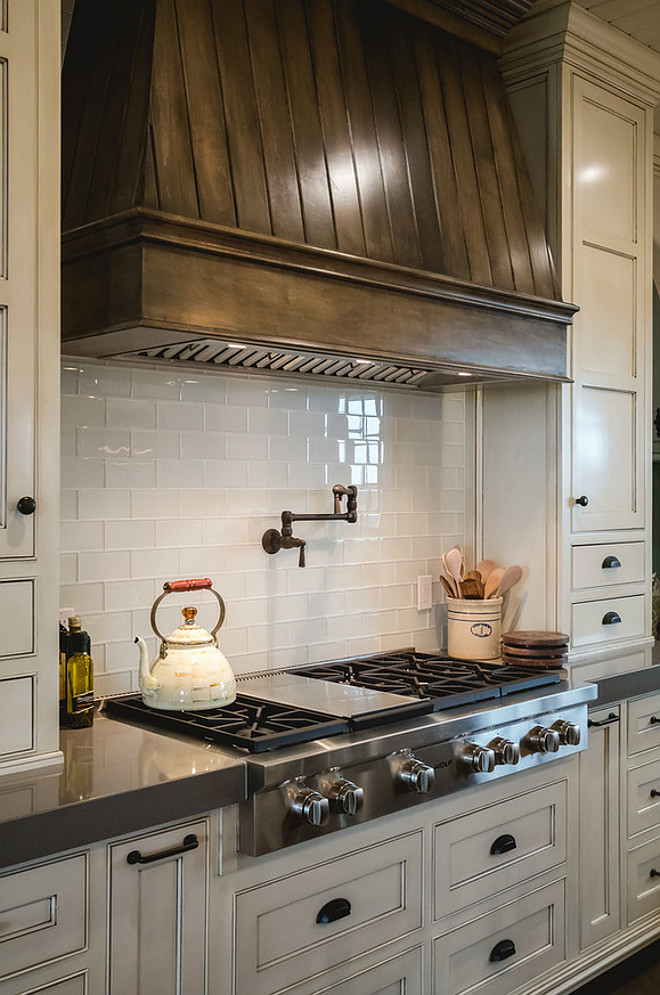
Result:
[248,723]
[448,682]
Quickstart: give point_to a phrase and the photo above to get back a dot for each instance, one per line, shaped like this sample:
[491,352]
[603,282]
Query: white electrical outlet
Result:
[424,593]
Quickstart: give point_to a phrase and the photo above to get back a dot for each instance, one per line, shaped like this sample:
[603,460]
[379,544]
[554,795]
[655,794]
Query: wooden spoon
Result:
[510,577]
[454,566]
[455,592]
[493,582]
[486,567]
[472,588]
[447,586]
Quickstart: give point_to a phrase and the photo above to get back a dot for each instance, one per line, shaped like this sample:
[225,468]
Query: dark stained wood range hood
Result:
[301,178]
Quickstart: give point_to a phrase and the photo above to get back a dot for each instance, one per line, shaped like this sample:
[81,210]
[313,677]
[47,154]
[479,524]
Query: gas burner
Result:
[449,682]
[246,724]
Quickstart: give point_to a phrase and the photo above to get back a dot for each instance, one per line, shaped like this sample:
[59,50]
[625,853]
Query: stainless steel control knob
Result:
[570,734]
[505,751]
[416,776]
[479,759]
[311,807]
[345,797]
[542,740]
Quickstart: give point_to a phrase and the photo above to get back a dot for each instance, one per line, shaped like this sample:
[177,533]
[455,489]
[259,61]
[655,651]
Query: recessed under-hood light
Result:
[463,374]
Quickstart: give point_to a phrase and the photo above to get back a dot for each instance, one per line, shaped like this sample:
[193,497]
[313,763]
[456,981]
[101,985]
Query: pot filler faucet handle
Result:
[273,540]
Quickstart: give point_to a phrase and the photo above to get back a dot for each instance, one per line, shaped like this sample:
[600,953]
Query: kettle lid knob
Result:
[189,614]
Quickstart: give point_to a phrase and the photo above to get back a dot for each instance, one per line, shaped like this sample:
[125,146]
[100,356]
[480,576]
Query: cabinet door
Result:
[18,271]
[158,913]
[599,828]
[612,326]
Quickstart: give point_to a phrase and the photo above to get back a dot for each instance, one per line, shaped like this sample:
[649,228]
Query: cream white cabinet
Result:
[600,813]
[157,912]
[29,383]
[583,95]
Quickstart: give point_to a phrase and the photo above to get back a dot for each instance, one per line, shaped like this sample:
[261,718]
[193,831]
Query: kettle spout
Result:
[145,679]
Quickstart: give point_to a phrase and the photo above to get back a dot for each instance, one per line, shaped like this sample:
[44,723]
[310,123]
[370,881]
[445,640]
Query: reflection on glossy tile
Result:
[170,473]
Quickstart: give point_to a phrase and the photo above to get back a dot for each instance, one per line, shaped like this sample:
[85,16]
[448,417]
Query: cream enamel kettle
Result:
[190,673]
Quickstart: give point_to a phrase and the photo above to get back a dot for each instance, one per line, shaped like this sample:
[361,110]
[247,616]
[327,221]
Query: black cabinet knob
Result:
[583,500]
[26,505]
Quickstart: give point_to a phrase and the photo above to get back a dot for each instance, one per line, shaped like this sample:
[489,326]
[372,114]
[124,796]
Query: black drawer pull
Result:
[655,793]
[654,720]
[338,908]
[190,842]
[611,718]
[610,562]
[503,844]
[654,873]
[502,950]
[611,618]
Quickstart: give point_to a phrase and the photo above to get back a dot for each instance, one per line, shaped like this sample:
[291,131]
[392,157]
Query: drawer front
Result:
[595,621]
[643,724]
[43,911]
[370,897]
[400,975]
[603,565]
[643,798]
[504,949]
[484,853]
[16,715]
[644,880]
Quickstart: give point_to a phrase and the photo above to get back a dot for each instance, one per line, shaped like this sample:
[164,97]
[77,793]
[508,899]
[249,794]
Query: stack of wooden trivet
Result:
[535,648]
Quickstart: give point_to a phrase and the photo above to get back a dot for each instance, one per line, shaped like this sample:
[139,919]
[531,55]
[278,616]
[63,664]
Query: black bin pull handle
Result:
[610,720]
[502,950]
[336,909]
[190,842]
[503,844]
[610,563]
[611,618]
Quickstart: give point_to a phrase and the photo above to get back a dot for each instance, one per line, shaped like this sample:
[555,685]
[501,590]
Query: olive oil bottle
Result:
[79,678]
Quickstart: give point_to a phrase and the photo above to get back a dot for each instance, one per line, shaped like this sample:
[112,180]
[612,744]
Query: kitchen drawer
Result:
[492,849]
[643,883]
[528,934]
[643,724]
[590,619]
[280,938]
[43,912]
[596,566]
[400,975]
[643,804]
[77,984]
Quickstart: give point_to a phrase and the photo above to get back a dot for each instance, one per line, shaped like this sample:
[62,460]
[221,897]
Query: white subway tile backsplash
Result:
[179,416]
[137,414]
[160,503]
[107,565]
[170,474]
[99,504]
[131,474]
[76,536]
[130,535]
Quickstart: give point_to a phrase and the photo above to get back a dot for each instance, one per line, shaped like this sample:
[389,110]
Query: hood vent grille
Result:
[214,352]
[240,357]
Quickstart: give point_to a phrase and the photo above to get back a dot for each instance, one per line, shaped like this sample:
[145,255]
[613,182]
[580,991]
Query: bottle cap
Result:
[75,623]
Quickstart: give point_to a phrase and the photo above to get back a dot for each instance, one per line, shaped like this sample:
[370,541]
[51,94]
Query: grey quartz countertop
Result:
[627,685]
[116,778]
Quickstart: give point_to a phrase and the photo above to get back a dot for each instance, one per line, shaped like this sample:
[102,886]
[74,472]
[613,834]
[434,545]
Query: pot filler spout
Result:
[332,190]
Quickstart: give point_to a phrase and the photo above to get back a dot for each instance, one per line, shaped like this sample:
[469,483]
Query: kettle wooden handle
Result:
[176,587]
[188,585]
